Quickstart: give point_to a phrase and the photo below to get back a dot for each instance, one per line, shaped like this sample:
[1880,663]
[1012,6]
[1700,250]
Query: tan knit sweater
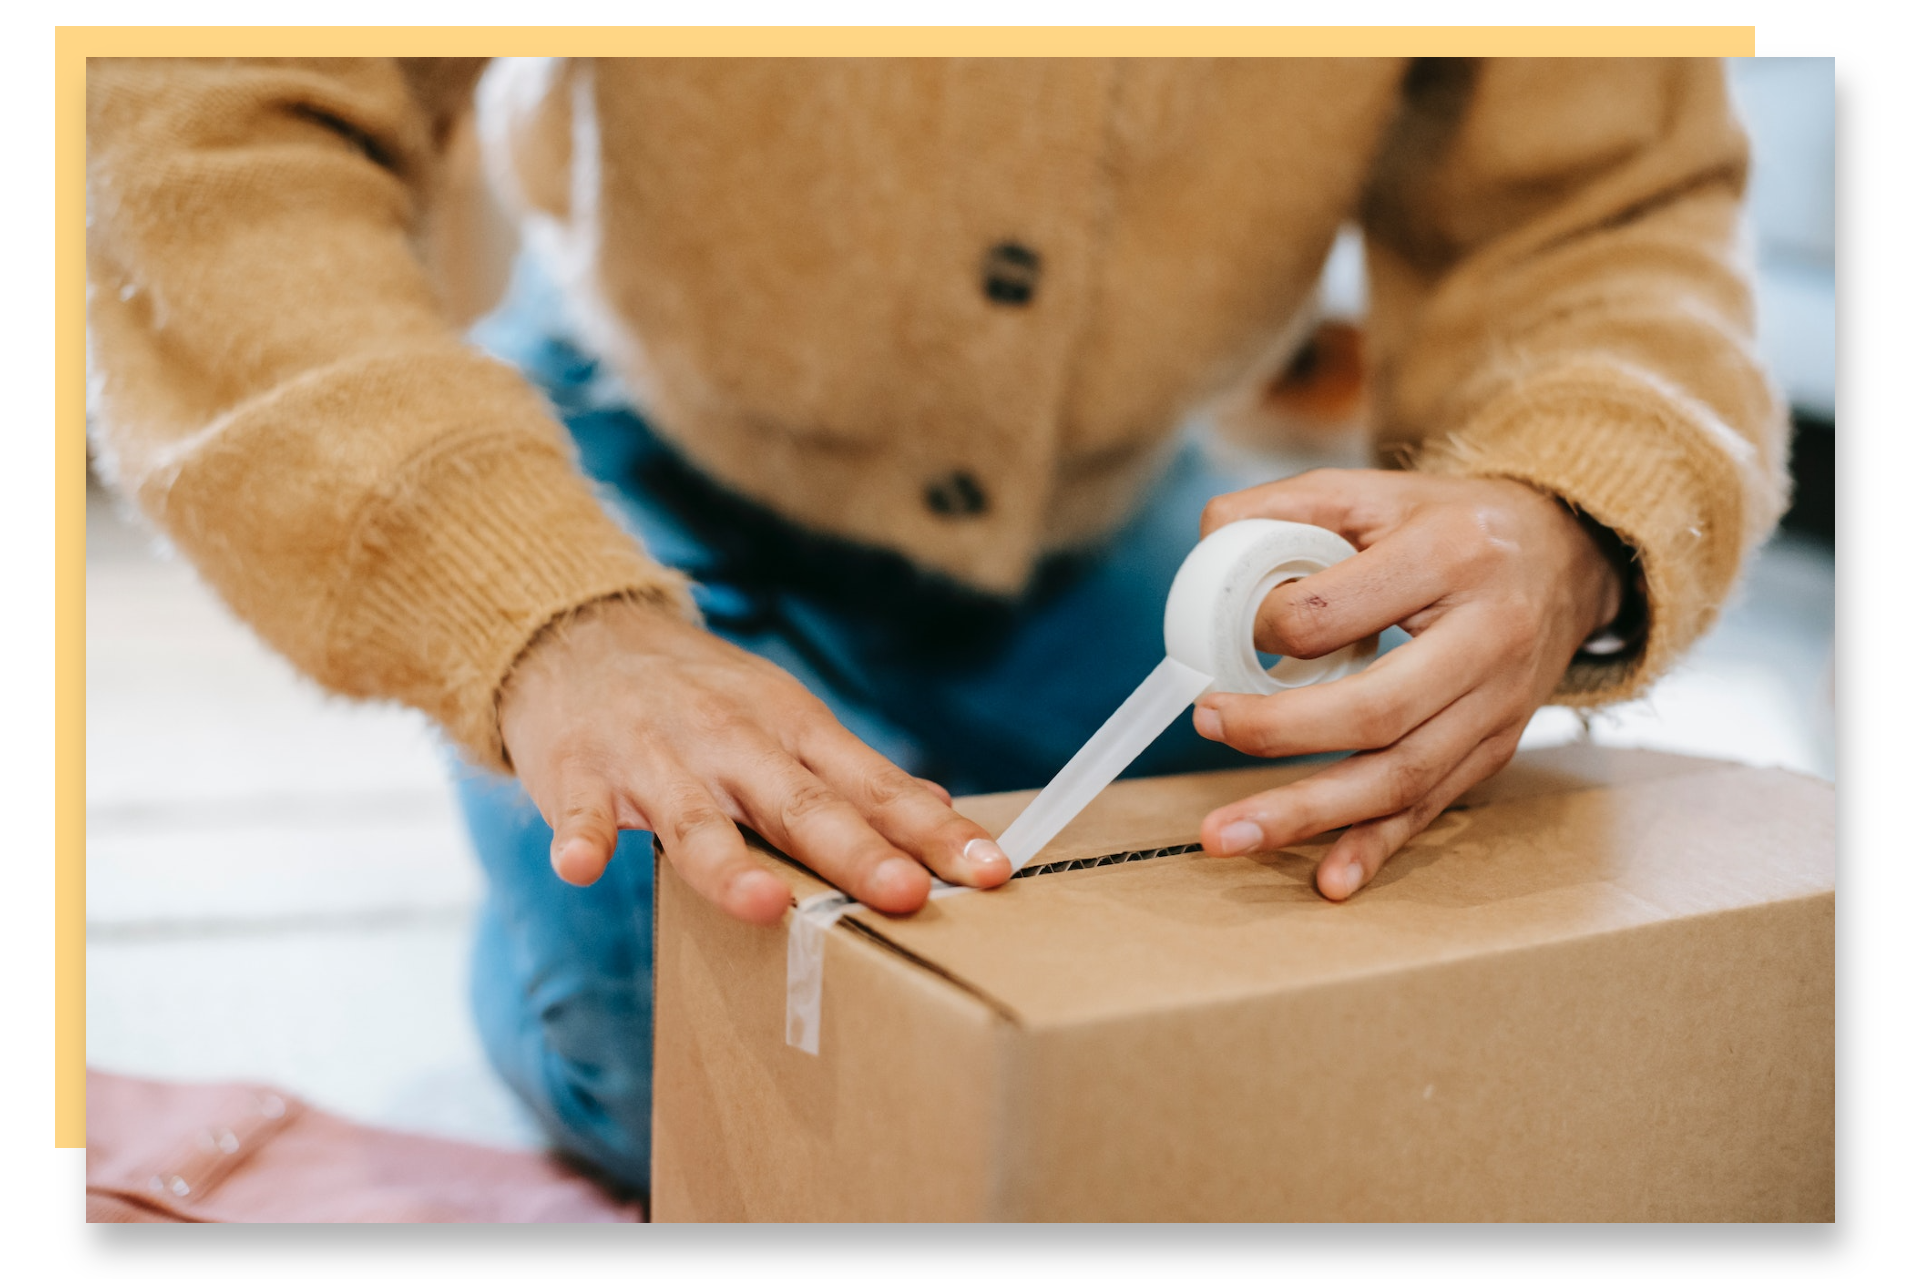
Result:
[953,308]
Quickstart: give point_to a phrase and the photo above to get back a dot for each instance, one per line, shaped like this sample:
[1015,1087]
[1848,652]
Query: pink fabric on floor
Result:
[234,1152]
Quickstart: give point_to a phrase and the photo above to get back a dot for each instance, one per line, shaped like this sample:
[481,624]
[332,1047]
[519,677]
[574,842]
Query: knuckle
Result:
[883,787]
[1499,543]
[1467,539]
[685,793]
[1510,627]
[1376,721]
[577,754]
[1415,818]
[1252,734]
[714,717]
[1472,559]
[1407,783]
[803,704]
[1298,623]
[688,823]
[806,802]
[1304,815]
[810,729]
[585,809]
[1258,743]
[690,810]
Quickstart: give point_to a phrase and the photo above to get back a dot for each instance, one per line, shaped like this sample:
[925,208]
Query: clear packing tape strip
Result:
[1211,610]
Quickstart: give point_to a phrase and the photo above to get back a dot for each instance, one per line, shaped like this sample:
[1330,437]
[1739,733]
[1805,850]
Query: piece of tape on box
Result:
[807,958]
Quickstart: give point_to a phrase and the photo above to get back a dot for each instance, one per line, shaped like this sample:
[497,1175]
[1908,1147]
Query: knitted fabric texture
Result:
[952,309]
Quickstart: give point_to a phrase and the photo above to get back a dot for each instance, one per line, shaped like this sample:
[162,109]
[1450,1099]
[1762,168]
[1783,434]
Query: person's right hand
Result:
[626,716]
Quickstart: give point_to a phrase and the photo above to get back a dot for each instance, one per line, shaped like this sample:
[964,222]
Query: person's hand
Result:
[1497,583]
[625,716]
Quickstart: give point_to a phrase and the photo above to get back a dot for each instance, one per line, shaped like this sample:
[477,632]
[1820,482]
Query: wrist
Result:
[1618,621]
[577,640]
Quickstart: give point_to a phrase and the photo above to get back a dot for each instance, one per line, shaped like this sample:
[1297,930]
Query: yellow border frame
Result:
[73,45]
[1590,41]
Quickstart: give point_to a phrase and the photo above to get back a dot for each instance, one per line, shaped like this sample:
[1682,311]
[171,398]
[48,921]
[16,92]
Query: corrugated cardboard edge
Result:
[1548,771]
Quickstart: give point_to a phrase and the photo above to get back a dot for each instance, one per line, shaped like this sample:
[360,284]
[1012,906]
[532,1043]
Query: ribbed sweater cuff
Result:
[486,545]
[1658,470]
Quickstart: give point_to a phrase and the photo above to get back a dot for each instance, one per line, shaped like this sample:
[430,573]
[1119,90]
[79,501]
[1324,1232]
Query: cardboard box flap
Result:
[1158,813]
[1162,812]
[1639,837]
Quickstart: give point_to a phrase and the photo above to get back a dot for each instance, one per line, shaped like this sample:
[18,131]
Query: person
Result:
[824,457]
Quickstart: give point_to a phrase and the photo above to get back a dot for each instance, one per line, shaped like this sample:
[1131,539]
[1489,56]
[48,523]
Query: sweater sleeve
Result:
[275,385]
[1558,297]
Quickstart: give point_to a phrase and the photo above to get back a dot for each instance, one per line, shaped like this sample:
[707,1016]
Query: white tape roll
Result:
[1216,597]
[1209,630]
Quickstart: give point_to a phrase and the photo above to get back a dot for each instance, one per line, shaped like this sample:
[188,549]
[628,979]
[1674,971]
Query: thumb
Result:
[1242,721]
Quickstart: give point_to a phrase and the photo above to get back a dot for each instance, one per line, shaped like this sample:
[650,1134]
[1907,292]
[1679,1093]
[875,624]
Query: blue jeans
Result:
[979,695]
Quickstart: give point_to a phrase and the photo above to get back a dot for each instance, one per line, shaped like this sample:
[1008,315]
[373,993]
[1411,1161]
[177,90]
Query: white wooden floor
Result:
[277,883]
[277,886]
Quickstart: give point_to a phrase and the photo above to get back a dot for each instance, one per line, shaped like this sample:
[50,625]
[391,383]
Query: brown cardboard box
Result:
[1600,988]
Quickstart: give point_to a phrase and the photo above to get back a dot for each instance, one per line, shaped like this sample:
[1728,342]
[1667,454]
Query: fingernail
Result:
[1240,837]
[984,852]
[1352,874]
[1206,722]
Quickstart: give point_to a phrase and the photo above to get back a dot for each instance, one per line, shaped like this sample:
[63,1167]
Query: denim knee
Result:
[576,1046]
[562,980]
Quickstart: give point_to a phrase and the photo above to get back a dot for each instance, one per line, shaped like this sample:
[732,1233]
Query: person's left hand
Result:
[1497,583]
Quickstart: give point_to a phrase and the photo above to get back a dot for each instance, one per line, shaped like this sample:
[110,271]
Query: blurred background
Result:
[278,888]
